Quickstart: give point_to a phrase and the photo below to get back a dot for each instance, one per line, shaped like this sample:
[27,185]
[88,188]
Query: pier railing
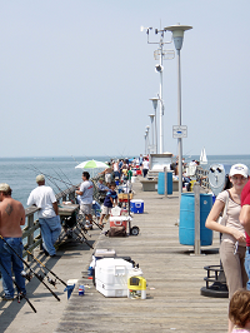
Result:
[31,232]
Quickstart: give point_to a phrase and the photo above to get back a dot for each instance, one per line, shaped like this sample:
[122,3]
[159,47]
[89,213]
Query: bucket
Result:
[187,211]
[133,179]
[137,206]
[161,183]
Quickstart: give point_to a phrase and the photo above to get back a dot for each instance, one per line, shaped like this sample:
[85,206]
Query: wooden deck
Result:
[174,280]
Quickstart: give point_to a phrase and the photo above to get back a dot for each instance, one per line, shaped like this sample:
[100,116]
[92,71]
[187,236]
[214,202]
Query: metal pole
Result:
[179,122]
[197,241]
[152,130]
[160,97]
[156,141]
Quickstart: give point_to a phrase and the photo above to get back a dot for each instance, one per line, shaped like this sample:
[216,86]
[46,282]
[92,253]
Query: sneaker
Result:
[6,299]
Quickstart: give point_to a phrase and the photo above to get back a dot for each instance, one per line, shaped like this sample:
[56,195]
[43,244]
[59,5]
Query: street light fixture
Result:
[178,35]
[155,102]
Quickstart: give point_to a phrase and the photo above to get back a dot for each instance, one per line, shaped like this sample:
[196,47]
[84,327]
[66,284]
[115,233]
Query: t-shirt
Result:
[87,188]
[245,200]
[232,217]
[107,201]
[43,197]
[145,164]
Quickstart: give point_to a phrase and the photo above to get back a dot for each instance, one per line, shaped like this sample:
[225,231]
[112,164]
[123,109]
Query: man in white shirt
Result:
[85,197]
[44,198]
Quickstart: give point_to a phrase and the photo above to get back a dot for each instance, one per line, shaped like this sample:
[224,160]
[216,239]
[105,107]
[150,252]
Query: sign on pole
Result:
[179,131]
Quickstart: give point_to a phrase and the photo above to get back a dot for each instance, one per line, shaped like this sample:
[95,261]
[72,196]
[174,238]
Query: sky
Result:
[76,76]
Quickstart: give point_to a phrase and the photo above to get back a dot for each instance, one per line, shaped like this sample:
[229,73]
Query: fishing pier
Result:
[174,277]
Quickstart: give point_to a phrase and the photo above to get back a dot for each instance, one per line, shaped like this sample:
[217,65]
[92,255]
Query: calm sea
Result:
[20,173]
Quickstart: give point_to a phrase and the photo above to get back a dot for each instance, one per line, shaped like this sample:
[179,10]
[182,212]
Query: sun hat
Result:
[4,187]
[239,169]
[40,178]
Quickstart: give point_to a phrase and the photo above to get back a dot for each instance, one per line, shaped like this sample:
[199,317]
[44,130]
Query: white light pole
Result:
[148,141]
[178,35]
[160,54]
[152,116]
[155,102]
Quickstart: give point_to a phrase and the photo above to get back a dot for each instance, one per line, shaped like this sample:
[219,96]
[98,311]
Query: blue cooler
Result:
[137,206]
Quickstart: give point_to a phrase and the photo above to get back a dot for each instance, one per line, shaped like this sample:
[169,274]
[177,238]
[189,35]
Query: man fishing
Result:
[44,198]
[85,197]
[12,216]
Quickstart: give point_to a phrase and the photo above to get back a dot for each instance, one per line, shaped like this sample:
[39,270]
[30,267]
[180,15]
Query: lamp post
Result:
[148,141]
[145,136]
[160,54]
[155,102]
[152,116]
[178,35]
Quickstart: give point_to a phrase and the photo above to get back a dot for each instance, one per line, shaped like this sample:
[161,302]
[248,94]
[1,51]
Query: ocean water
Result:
[20,173]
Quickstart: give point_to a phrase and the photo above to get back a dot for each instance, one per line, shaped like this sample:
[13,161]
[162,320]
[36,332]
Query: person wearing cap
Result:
[12,216]
[233,242]
[44,198]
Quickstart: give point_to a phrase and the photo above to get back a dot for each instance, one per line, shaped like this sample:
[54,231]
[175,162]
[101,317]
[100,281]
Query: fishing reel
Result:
[51,281]
[26,275]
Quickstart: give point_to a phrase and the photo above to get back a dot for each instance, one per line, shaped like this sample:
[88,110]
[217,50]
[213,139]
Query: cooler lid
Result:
[111,263]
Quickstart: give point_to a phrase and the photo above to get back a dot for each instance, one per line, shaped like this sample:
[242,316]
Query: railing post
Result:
[31,236]
[166,181]
[197,241]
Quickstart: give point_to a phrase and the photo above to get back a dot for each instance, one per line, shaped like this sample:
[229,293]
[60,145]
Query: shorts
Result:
[85,208]
[106,210]
[108,178]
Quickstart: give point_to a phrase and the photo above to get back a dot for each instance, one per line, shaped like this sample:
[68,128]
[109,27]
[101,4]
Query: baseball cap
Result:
[40,178]
[239,169]
[4,187]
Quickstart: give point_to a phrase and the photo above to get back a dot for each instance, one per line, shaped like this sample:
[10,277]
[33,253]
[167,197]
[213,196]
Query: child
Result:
[239,311]
[111,199]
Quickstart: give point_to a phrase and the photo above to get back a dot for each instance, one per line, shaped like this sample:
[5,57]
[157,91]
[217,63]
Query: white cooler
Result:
[111,276]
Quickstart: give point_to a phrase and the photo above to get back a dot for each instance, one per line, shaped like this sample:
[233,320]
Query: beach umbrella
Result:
[92,164]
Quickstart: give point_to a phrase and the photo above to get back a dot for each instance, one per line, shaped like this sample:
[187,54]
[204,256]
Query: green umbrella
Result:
[92,164]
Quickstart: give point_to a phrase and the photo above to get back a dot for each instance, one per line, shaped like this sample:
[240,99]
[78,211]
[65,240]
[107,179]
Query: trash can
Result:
[187,223]
[161,182]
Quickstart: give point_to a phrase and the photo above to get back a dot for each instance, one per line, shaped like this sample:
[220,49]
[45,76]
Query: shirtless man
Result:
[12,215]
[107,172]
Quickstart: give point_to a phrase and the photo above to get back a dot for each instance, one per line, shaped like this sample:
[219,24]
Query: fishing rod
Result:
[21,294]
[47,175]
[49,270]
[38,276]
[83,239]
[49,178]
[65,175]
[62,181]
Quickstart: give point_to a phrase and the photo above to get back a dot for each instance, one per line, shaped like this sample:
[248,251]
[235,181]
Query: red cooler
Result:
[118,221]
